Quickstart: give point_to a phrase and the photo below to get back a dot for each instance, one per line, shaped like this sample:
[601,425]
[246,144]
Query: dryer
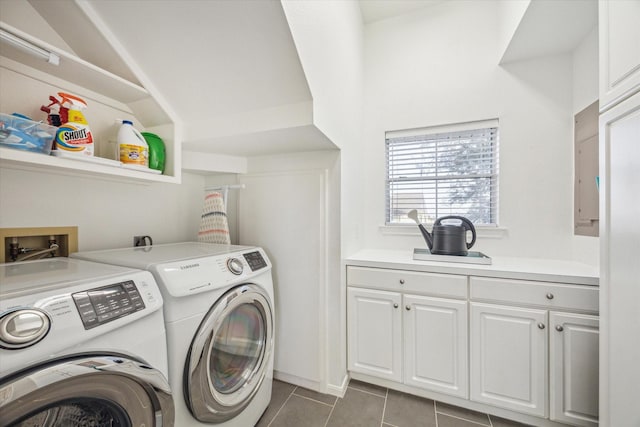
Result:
[81,343]
[219,315]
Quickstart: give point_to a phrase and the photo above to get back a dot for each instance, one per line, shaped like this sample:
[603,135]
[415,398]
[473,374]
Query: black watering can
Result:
[447,239]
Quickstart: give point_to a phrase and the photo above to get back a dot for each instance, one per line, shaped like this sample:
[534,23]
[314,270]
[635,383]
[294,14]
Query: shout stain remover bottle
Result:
[132,147]
[74,136]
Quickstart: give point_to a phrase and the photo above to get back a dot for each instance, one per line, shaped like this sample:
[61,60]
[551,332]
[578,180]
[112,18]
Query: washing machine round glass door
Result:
[228,358]
[105,390]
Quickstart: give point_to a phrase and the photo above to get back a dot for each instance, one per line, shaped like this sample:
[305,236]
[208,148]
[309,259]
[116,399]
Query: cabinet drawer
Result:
[543,294]
[446,285]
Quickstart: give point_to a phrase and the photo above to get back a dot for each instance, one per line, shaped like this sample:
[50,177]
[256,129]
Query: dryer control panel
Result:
[101,305]
[255,260]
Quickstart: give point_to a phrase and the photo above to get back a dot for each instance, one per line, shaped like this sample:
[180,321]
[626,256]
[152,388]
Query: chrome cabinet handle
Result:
[408,308]
[395,305]
[559,328]
[402,281]
[541,326]
[549,295]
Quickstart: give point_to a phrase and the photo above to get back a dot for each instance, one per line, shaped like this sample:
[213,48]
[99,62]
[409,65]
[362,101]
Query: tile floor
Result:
[366,405]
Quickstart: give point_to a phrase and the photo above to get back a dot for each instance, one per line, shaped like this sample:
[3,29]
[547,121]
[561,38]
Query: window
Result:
[445,170]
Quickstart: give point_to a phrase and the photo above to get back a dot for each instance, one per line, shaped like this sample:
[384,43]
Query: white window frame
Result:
[438,132]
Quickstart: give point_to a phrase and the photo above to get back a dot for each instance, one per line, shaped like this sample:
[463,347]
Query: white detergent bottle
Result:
[132,147]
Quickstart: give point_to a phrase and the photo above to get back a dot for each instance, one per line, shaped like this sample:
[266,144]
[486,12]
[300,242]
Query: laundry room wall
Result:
[330,42]
[290,206]
[440,66]
[108,213]
[329,39]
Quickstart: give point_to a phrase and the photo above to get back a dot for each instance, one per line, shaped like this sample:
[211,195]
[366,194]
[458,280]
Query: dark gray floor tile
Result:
[466,414]
[404,410]
[502,422]
[299,411]
[357,409]
[280,391]
[324,398]
[448,421]
[370,388]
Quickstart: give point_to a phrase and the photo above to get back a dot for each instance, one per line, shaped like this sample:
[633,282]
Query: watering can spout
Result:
[413,214]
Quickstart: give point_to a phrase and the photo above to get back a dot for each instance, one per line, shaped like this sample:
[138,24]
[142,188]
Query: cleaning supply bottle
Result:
[74,136]
[157,152]
[54,118]
[132,147]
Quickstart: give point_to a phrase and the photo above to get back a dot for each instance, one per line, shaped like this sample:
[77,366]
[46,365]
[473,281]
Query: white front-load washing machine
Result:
[82,343]
[218,305]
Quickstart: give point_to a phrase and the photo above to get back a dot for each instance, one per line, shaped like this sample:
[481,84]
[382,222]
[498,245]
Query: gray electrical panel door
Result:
[586,209]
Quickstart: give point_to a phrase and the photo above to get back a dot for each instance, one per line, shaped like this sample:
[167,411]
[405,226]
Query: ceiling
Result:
[237,59]
[551,28]
[376,10]
[211,58]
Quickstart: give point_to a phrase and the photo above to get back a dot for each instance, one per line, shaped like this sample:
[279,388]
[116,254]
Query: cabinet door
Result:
[619,50]
[573,369]
[374,330]
[509,357]
[435,344]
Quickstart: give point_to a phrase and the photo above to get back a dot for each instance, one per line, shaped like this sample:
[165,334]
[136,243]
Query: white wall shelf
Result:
[16,159]
[27,82]
[74,69]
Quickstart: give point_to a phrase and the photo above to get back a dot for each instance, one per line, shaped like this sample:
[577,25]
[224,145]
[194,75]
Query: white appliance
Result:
[81,343]
[219,318]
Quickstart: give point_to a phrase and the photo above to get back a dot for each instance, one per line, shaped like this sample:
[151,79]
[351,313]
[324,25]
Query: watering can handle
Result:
[468,225]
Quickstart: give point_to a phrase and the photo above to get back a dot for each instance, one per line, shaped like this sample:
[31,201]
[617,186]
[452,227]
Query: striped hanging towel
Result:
[214,227]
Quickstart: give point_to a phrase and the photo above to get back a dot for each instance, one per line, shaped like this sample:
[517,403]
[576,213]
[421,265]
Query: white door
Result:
[509,357]
[435,344]
[375,335]
[286,213]
[573,375]
[619,266]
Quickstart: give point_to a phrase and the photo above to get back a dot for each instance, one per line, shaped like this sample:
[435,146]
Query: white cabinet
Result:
[509,362]
[528,347]
[516,326]
[573,359]
[509,357]
[375,337]
[619,136]
[619,266]
[435,344]
[418,340]
[619,50]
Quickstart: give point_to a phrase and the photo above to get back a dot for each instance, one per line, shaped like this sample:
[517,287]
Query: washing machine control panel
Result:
[255,260]
[101,305]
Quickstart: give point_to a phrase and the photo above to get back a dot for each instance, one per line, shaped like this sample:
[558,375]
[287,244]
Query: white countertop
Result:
[504,267]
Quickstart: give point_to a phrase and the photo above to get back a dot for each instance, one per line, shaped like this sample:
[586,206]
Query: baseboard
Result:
[332,389]
[338,390]
[299,381]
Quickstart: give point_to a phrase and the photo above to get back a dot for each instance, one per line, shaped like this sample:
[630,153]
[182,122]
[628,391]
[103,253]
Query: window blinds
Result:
[438,173]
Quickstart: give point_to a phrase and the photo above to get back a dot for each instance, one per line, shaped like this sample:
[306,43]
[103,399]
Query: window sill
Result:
[487,232]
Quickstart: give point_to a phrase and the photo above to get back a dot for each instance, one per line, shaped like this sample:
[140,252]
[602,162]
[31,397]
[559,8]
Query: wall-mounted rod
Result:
[29,47]
[225,187]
